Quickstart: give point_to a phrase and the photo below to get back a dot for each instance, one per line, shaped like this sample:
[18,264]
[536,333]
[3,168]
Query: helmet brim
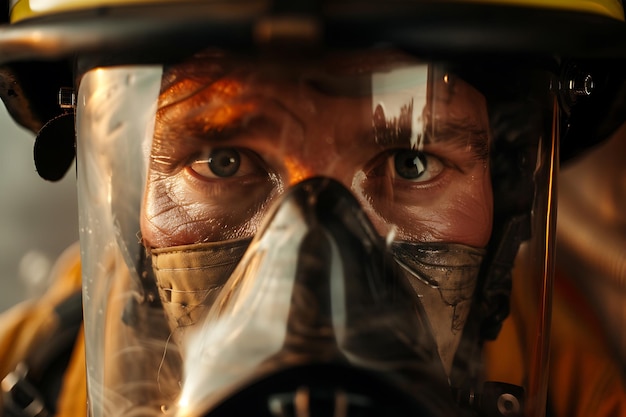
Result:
[146,32]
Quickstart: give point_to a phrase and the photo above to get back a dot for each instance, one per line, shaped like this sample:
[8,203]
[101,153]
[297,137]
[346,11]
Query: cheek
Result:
[174,213]
[459,213]
[165,221]
[472,222]
[469,215]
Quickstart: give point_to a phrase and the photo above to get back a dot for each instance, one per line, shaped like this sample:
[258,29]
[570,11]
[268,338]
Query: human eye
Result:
[414,166]
[224,163]
[407,165]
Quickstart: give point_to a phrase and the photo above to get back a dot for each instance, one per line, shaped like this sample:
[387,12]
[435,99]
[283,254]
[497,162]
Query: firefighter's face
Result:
[231,137]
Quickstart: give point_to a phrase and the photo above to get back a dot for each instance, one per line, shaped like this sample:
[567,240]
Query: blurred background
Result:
[38,219]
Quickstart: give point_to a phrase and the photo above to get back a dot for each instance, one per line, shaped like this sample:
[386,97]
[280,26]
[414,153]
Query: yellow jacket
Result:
[585,377]
[585,381]
[27,325]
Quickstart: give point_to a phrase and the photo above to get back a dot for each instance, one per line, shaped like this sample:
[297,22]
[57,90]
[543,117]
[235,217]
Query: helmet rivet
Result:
[508,405]
[67,98]
[580,86]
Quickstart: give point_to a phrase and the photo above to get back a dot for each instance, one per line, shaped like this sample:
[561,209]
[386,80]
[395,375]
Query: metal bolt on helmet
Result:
[314,207]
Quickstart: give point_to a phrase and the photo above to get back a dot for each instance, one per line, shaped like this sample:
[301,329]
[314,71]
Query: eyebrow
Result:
[198,129]
[463,133]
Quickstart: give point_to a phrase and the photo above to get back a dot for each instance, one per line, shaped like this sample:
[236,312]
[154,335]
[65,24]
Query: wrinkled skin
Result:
[275,128]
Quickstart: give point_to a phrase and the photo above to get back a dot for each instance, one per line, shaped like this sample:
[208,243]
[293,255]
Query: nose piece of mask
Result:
[317,285]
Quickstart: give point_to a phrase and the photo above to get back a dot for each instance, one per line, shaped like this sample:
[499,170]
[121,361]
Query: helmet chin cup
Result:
[337,327]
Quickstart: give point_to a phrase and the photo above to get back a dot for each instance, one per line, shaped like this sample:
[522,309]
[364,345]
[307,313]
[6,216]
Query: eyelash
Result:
[398,164]
[217,164]
[387,162]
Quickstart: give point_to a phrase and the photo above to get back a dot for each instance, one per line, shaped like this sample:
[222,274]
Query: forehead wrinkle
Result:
[248,116]
[179,91]
[214,106]
[184,79]
[192,92]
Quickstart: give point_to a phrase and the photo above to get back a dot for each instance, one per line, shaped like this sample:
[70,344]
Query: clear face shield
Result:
[332,235]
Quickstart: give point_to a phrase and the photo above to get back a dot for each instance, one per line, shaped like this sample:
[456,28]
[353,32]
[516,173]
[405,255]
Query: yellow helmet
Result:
[26,9]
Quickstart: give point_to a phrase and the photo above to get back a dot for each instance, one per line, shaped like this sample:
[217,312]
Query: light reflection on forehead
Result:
[398,99]
[400,95]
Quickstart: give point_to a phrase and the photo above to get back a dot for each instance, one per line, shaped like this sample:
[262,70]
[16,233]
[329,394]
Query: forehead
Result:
[383,82]
[349,73]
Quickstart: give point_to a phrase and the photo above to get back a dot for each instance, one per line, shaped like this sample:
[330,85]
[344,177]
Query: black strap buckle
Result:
[20,398]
